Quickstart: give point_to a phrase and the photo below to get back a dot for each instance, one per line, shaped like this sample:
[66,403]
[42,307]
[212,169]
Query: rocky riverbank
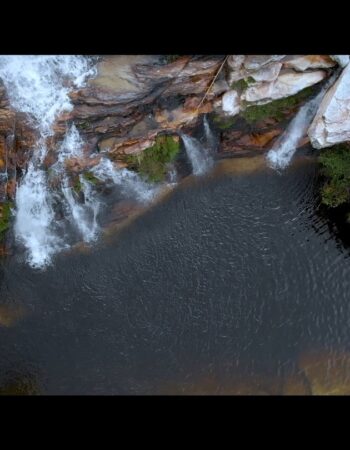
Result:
[135,107]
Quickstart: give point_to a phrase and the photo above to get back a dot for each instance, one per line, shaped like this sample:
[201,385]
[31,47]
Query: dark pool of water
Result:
[234,275]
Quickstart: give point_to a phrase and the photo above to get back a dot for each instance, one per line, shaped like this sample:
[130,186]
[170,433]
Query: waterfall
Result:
[172,175]
[209,136]
[283,150]
[198,155]
[82,216]
[39,86]
[129,182]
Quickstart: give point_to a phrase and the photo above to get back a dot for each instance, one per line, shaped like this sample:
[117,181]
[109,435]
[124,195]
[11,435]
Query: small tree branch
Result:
[211,84]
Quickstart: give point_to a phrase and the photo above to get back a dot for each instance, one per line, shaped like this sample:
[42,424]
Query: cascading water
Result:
[39,86]
[198,155]
[129,182]
[209,136]
[282,152]
[83,216]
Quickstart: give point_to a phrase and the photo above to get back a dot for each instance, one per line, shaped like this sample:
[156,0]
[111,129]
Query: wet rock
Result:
[77,165]
[258,140]
[307,62]
[342,60]
[296,384]
[331,124]
[287,84]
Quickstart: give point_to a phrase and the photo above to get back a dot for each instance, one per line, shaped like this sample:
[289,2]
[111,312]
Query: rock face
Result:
[288,83]
[331,124]
[139,90]
[310,62]
[342,60]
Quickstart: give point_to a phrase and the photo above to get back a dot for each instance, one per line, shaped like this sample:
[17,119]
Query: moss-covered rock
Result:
[151,163]
[5,215]
[335,163]
[242,84]
[277,109]
[224,122]
[77,186]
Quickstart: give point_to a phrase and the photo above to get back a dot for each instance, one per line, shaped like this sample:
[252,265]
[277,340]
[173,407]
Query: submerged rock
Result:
[331,124]
[328,373]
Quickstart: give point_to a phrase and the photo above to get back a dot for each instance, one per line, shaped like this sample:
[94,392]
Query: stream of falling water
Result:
[283,150]
[40,87]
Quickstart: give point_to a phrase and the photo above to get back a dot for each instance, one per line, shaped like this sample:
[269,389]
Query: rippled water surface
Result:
[232,284]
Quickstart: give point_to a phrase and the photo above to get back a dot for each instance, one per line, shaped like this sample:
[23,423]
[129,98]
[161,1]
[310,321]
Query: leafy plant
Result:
[335,164]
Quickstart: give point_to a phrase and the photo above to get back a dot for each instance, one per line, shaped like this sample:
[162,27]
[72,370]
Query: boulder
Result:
[331,124]
[230,103]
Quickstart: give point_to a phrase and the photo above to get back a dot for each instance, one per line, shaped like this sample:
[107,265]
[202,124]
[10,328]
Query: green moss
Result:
[335,164]
[90,177]
[276,109]
[242,84]
[5,215]
[151,163]
[77,186]
[223,122]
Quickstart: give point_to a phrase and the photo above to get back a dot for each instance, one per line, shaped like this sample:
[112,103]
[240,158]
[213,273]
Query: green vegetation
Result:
[77,185]
[277,108]
[151,163]
[335,164]
[90,177]
[242,84]
[5,215]
[224,122]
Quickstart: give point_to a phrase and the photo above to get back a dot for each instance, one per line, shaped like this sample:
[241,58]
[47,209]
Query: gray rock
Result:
[255,62]
[288,83]
[307,62]
[230,103]
[342,60]
[331,124]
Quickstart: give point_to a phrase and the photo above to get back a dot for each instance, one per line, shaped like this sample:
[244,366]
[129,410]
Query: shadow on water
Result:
[231,285]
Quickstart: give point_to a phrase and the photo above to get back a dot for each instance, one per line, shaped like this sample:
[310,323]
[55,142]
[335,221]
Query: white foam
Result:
[40,87]
[198,155]
[129,182]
